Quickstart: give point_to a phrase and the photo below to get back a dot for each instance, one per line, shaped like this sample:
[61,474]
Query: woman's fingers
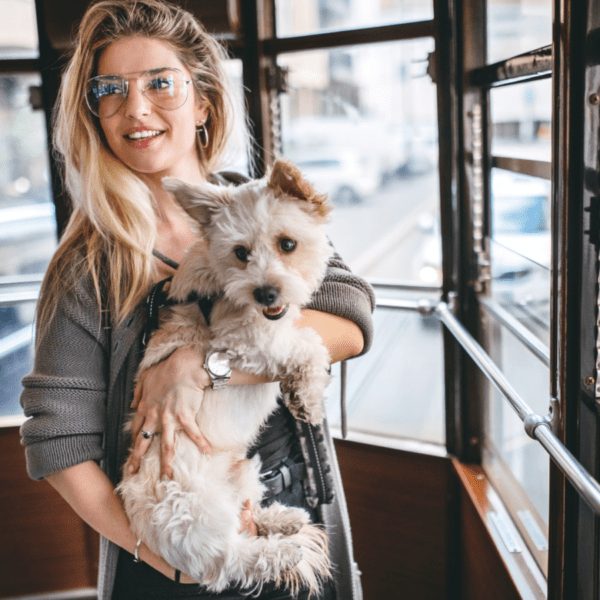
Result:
[193,431]
[138,391]
[247,519]
[167,448]
[143,437]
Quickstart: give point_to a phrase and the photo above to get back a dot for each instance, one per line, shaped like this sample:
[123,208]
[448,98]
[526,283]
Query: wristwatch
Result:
[218,369]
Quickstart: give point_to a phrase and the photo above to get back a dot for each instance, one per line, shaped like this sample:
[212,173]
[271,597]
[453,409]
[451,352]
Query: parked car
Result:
[385,146]
[347,177]
[520,245]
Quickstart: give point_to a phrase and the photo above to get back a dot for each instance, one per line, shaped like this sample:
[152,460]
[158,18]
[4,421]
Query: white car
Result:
[342,174]
[520,245]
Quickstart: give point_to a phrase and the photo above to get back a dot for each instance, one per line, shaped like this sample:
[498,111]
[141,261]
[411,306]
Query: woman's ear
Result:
[201,111]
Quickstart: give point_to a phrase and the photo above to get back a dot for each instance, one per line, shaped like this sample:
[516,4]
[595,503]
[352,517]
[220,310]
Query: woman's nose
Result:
[136,104]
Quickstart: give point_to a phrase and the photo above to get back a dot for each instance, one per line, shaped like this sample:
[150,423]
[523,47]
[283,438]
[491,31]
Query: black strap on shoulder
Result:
[156,299]
[228,178]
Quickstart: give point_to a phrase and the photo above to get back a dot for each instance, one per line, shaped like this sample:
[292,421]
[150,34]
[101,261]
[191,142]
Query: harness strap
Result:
[158,298]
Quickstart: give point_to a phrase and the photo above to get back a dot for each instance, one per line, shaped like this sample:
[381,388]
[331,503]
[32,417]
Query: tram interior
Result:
[449,135]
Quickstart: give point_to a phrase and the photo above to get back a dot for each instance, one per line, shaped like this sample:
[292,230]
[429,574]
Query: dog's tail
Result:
[315,567]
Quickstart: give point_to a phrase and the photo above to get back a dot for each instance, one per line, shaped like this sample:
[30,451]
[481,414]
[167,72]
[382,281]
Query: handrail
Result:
[516,328]
[536,426]
[11,298]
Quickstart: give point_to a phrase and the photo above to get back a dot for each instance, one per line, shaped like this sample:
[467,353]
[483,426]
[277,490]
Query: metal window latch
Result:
[35,97]
[594,231]
[279,79]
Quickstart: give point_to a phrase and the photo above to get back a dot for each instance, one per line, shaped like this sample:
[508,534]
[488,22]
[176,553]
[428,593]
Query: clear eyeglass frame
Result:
[105,94]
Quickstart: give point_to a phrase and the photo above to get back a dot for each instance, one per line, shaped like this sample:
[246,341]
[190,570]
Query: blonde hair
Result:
[113,217]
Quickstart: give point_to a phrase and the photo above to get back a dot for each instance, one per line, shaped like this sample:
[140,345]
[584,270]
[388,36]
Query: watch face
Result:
[217,365]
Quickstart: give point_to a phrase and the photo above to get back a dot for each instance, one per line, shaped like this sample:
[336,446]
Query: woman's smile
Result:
[142,137]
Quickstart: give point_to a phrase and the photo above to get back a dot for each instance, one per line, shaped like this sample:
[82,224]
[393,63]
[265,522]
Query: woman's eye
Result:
[160,83]
[287,245]
[241,253]
[108,89]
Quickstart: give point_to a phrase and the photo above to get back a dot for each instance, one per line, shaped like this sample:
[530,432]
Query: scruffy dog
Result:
[264,252]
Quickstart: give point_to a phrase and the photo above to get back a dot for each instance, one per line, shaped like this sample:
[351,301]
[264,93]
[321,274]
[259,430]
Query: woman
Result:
[119,134]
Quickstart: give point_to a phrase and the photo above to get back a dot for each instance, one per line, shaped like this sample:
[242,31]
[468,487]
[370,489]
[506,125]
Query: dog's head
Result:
[264,242]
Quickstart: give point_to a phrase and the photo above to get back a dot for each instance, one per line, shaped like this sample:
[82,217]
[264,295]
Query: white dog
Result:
[264,253]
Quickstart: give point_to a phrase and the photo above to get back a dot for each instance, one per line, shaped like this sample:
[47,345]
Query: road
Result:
[356,229]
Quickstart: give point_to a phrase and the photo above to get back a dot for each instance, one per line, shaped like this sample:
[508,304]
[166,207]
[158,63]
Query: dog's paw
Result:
[278,518]
[304,404]
[312,413]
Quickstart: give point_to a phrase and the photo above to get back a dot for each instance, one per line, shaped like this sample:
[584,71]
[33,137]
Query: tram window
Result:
[521,116]
[517,26]
[361,123]
[18,29]
[300,17]
[27,221]
[520,249]
[518,465]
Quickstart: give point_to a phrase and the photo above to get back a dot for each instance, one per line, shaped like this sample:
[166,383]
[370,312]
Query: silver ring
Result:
[147,434]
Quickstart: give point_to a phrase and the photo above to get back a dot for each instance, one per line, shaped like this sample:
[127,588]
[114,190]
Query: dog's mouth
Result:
[274,313]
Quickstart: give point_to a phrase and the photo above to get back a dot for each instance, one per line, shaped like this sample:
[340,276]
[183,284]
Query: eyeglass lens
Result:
[165,88]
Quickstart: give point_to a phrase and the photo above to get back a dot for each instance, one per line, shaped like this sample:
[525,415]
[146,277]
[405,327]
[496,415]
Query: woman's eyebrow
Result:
[138,73]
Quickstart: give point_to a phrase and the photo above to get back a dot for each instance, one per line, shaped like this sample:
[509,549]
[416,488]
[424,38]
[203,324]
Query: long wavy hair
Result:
[113,218]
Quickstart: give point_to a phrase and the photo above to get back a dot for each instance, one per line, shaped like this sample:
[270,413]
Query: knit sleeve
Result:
[346,295]
[64,396]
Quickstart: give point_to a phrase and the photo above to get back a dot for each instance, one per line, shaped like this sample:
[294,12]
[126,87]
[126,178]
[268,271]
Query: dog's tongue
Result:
[273,311]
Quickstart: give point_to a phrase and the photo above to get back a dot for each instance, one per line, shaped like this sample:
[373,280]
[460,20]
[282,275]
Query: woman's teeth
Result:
[140,135]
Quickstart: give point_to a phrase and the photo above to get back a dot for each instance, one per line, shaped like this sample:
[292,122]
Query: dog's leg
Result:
[297,561]
[304,383]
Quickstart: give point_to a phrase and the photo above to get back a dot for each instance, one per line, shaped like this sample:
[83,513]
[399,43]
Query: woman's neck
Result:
[176,231]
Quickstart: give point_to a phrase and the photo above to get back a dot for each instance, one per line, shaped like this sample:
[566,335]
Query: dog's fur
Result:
[193,519]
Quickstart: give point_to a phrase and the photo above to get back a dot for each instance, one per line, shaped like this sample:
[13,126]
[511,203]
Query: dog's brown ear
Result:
[286,178]
[199,200]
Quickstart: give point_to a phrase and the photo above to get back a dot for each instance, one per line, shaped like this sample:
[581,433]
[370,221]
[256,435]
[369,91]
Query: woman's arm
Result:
[91,494]
[168,394]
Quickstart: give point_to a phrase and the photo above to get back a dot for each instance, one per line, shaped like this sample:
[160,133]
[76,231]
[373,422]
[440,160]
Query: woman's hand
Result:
[247,519]
[168,397]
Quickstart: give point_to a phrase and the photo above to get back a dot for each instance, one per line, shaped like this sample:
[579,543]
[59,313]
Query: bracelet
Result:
[136,552]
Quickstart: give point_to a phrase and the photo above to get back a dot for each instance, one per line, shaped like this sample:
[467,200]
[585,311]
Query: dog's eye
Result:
[287,245]
[242,253]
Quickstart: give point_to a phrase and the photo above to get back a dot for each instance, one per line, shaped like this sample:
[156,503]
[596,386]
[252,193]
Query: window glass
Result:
[520,249]
[361,124]
[521,119]
[27,223]
[16,337]
[299,17]
[518,465]
[18,29]
[517,26]
[396,389]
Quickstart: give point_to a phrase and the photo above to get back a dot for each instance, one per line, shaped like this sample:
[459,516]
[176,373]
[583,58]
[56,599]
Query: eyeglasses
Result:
[165,88]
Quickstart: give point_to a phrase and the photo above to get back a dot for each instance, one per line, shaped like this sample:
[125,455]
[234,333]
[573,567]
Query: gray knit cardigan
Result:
[80,389]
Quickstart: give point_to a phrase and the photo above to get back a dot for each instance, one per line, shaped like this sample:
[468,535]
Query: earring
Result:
[202,132]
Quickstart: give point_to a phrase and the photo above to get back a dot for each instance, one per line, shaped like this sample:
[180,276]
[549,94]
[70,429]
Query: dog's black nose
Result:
[266,295]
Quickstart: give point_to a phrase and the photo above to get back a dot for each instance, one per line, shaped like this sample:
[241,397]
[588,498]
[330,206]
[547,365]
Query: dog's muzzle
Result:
[267,295]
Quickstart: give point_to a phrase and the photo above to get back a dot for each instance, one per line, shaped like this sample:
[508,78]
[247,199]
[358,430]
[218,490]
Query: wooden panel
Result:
[398,504]
[483,574]
[44,545]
